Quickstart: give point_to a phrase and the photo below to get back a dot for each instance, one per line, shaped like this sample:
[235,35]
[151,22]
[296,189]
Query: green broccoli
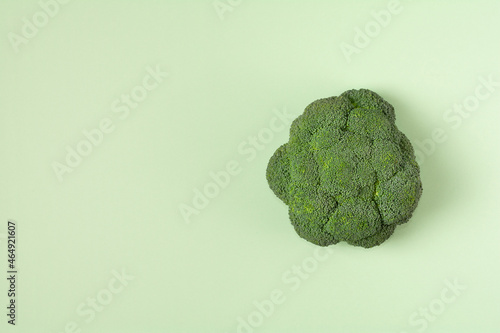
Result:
[347,173]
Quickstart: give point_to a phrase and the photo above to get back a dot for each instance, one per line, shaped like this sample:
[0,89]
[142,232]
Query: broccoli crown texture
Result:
[347,173]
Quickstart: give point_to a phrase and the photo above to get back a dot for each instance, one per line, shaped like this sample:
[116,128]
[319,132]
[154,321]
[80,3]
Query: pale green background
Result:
[120,208]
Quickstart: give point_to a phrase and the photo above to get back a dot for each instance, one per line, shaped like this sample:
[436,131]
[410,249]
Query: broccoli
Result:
[347,173]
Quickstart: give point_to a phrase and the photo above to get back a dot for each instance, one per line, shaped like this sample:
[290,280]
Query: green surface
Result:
[193,145]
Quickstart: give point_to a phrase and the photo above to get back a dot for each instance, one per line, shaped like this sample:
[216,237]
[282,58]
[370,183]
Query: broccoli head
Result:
[347,173]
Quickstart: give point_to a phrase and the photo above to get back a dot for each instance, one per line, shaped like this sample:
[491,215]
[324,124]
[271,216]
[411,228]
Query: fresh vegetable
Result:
[347,173]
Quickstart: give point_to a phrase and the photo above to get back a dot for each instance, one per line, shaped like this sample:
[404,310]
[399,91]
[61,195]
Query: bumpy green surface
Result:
[347,172]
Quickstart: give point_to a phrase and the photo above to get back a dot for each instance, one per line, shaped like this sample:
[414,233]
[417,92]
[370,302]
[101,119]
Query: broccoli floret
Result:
[347,173]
